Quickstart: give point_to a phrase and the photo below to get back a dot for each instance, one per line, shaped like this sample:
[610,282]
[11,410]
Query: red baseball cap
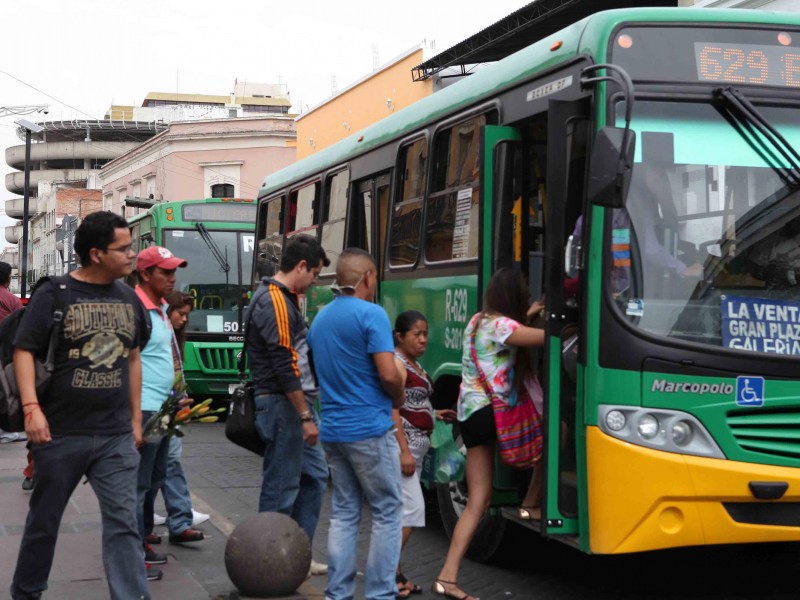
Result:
[158,256]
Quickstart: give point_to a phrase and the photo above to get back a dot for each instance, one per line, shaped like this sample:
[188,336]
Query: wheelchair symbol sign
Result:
[749,390]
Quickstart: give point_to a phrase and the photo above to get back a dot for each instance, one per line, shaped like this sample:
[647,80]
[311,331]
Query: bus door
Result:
[367,219]
[567,155]
[533,186]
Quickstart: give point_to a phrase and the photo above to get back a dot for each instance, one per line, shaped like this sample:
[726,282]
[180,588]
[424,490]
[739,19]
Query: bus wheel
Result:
[452,498]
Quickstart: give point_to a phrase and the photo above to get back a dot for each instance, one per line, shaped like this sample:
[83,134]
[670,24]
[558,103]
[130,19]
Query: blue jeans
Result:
[175,490]
[109,462]
[368,469]
[152,471]
[294,473]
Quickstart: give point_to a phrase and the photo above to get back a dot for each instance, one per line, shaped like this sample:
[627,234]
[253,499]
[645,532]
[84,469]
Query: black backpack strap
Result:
[61,301]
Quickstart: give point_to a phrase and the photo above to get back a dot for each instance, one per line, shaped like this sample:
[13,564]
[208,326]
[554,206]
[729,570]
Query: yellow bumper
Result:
[642,499]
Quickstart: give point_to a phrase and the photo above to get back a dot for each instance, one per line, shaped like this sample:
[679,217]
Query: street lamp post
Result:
[29,128]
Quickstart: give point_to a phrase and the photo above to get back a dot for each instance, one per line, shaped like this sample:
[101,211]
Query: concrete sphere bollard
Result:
[267,555]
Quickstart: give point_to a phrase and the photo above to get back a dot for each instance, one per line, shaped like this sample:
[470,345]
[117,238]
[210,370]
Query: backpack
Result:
[11,414]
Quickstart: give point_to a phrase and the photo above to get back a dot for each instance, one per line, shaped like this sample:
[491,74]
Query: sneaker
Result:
[153,574]
[10,436]
[198,518]
[151,557]
[317,568]
[27,484]
[152,538]
[158,519]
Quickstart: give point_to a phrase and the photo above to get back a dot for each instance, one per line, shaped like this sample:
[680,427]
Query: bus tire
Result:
[488,536]
[452,498]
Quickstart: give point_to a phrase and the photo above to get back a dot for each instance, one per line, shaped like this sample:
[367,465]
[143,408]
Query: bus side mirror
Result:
[611,166]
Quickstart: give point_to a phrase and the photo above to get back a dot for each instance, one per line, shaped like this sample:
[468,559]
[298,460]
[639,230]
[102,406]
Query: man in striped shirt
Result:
[295,470]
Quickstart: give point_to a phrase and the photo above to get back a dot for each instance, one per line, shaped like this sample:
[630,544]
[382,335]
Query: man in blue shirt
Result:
[354,358]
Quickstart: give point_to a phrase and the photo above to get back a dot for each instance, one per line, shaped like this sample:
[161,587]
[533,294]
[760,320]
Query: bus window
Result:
[303,214]
[334,218]
[271,245]
[369,194]
[451,231]
[408,208]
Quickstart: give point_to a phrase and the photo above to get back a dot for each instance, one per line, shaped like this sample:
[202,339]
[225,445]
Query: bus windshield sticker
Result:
[461,230]
[215,324]
[749,390]
[635,307]
[248,243]
[761,325]
[178,233]
[549,88]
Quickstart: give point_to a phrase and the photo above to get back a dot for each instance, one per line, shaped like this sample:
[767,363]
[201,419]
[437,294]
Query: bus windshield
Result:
[707,248]
[219,267]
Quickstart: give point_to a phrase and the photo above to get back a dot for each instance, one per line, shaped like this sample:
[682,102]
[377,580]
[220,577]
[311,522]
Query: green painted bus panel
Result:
[448,302]
[317,296]
[755,434]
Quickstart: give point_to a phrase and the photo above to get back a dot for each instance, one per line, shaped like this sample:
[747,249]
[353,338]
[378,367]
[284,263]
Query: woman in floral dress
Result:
[499,332]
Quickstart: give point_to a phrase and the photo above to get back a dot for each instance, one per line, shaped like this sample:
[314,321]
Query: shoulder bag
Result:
[240,424]
[518,424]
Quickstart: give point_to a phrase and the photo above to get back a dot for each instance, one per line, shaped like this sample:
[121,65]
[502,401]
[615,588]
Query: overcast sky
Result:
[81,56]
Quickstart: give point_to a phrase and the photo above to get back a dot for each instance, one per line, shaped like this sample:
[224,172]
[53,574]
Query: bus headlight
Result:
[658,428]
[682,433]
[648,426]
[616,420]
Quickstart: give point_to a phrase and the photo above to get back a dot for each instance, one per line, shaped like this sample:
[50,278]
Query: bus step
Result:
[510,513]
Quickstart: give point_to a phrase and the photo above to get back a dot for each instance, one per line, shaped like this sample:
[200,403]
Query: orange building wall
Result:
[361,105]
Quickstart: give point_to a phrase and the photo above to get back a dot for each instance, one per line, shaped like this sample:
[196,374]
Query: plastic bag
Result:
[450,461]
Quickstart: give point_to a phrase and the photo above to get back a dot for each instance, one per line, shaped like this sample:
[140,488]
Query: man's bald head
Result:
[352,265]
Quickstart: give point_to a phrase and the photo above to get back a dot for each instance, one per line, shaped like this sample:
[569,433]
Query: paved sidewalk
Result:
[226,490]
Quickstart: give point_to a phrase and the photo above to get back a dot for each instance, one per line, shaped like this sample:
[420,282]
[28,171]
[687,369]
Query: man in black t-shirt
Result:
[89,423]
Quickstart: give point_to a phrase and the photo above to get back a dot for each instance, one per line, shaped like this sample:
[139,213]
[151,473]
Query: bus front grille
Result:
[218,359]
[775,433]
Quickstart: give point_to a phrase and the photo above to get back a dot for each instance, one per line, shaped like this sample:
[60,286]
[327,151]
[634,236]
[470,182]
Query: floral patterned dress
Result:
[496,359]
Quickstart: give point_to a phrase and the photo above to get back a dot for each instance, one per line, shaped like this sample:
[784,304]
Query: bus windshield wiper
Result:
[212,245]
[743,110]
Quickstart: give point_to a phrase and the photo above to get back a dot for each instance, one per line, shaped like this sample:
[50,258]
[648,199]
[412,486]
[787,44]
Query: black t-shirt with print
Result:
[89,392]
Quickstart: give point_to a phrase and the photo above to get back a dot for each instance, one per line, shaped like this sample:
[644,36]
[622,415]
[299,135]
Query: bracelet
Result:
[24,404]
[306,417]
[35,406]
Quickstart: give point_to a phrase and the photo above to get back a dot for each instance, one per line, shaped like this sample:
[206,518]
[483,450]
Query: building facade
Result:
[200,159]
[214,156]
[385,90]
[65,159]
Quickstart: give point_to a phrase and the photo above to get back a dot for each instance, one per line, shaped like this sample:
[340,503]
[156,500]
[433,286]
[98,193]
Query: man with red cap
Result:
[156,267]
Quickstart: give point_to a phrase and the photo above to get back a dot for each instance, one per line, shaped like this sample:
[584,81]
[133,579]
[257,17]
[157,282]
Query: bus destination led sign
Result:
[227,212]
[748,64]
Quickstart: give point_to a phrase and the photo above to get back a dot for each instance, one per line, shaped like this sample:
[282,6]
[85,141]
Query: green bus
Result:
[639,167]
[216,237]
